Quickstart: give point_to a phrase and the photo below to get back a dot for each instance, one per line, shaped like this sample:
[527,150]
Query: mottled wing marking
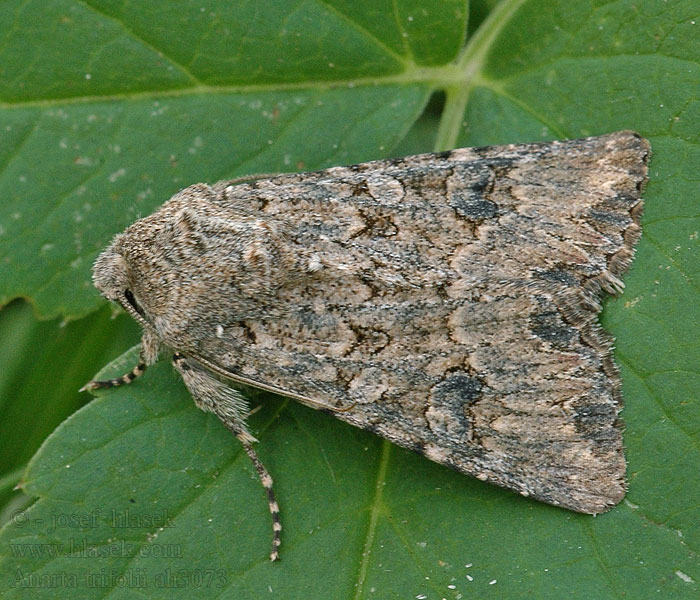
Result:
[451,299]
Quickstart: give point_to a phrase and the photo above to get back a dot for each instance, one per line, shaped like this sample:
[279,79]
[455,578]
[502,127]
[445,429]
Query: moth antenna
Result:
[346,409]
[251,177]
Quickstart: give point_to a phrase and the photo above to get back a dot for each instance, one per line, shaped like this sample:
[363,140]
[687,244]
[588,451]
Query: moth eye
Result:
[131,300]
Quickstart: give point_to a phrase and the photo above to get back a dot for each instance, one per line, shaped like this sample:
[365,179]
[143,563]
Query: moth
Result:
[447,302]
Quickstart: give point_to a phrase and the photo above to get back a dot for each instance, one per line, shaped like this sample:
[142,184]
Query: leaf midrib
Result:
[375,510]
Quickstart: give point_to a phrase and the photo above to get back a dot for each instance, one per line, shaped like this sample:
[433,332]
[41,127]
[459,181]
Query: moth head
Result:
[110,274]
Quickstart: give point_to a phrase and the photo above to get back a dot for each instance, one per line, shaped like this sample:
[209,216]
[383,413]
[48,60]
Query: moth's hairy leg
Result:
[228,404]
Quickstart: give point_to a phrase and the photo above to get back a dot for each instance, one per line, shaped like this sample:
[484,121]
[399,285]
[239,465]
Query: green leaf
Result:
[177,94]
[43,365]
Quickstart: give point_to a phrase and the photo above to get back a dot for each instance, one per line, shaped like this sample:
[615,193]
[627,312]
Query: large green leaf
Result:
[182,92]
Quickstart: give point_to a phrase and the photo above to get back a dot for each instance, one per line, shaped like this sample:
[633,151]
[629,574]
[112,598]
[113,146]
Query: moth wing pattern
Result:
[447,302]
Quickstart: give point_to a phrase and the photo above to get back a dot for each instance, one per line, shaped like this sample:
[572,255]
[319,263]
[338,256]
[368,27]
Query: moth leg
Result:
[228,404]
[266,481]
[148,355]
[95,384]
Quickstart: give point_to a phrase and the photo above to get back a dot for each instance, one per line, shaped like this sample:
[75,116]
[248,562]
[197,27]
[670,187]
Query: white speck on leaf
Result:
[684,577]
[117,174]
